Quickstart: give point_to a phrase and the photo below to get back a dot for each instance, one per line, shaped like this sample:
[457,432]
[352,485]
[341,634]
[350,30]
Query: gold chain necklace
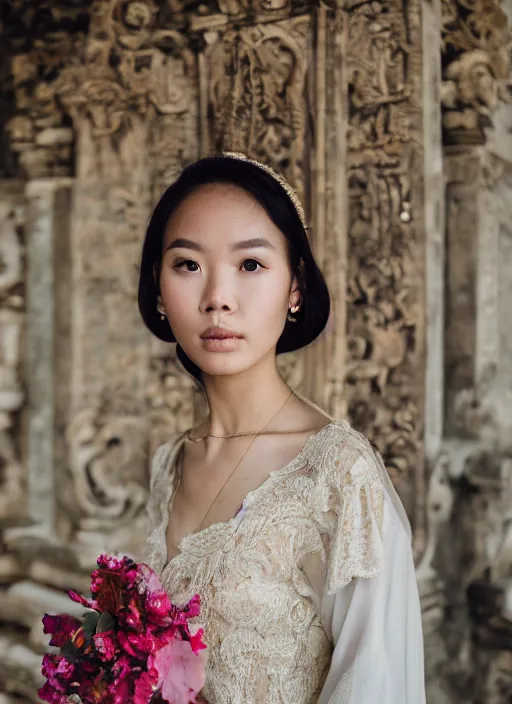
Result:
[241,458]
[239,435]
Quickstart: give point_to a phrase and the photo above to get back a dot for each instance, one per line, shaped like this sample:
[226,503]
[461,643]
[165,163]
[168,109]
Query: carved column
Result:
[12,316]
[385,375]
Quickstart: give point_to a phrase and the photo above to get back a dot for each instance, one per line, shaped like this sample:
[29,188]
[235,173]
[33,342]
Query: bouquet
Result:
[133,645]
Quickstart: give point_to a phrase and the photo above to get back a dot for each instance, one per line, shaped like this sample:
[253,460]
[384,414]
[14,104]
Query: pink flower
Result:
[61,627]
[196,641]
[180,672]
[106,645]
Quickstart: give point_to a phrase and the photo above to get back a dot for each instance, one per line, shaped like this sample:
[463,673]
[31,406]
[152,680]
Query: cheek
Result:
[179,299]
[270,302]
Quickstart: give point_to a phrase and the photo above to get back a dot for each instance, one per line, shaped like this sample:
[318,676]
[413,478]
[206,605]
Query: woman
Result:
[282,518]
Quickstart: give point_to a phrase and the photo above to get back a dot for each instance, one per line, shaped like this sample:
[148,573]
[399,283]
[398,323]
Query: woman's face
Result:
[225,273]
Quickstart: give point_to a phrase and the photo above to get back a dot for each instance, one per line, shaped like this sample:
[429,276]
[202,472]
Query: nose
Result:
[217,295]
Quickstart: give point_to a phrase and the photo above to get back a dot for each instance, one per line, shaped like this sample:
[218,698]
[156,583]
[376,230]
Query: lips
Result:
[220,334]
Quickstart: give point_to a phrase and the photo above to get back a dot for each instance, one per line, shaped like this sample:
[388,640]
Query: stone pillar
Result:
[48,274]
[12,317]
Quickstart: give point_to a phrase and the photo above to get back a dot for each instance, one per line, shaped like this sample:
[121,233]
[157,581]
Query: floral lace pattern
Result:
[266,642]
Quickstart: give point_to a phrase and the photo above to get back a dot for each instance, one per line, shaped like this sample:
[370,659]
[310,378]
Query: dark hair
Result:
[314,311]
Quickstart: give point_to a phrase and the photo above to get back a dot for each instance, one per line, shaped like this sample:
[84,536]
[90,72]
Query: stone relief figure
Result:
[472,90]
[106,469]
[262,113]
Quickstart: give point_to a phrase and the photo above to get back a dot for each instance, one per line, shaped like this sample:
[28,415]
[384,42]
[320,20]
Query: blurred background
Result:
[391,119]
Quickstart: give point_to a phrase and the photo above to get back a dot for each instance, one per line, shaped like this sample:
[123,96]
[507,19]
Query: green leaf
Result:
[90,622]
[106,622]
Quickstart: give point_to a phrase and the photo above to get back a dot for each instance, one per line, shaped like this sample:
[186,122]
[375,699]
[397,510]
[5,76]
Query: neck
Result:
[244,402]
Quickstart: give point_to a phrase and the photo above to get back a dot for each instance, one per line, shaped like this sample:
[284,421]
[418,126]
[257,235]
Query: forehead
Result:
[221,213]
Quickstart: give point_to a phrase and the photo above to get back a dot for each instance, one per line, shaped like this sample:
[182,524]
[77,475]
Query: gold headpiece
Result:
[280,179]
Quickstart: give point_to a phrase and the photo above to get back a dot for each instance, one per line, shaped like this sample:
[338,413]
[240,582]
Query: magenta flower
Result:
[138,645]
[192,609]
[145,687]
[135,646]
[180,672]
[48,693]
[57,668]
[130,617]
[61,627]
[106,645]
[196,641]
[158,607]
[79,599]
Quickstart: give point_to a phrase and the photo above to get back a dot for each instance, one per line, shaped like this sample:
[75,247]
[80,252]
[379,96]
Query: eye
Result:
[251,265]
[187,264]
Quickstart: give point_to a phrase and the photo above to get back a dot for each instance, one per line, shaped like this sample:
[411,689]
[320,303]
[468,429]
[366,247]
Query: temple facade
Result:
[393,121]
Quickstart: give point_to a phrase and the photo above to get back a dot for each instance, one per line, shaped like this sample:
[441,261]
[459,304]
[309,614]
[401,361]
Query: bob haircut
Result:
[273,197]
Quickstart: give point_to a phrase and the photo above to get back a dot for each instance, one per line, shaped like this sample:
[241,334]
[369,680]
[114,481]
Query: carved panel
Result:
[386,349]
[259,110]
[42,38]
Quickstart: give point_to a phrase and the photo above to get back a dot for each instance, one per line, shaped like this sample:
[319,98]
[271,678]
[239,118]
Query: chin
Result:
[223,367]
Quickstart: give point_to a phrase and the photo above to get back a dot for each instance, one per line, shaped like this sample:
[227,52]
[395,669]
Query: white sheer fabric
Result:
[309,593]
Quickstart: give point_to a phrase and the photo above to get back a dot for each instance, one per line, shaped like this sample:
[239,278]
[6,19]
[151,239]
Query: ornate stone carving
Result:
[259,110]
[385,257]
[107,467]
[171,395]
[476,67]
[42,40]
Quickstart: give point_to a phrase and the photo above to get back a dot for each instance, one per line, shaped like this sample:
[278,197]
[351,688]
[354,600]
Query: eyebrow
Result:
[237,246]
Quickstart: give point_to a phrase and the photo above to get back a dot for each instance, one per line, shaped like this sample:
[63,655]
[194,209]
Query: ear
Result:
[295,297]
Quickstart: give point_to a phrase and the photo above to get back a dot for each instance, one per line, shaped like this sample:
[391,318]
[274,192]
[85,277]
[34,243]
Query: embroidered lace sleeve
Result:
[350,499]
[374,622]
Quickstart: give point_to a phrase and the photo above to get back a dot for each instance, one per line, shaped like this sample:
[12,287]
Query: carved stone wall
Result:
[390,120]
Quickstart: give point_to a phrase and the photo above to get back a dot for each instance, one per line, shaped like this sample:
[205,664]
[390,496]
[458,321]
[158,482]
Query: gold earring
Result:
[293,309]
[160,308]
